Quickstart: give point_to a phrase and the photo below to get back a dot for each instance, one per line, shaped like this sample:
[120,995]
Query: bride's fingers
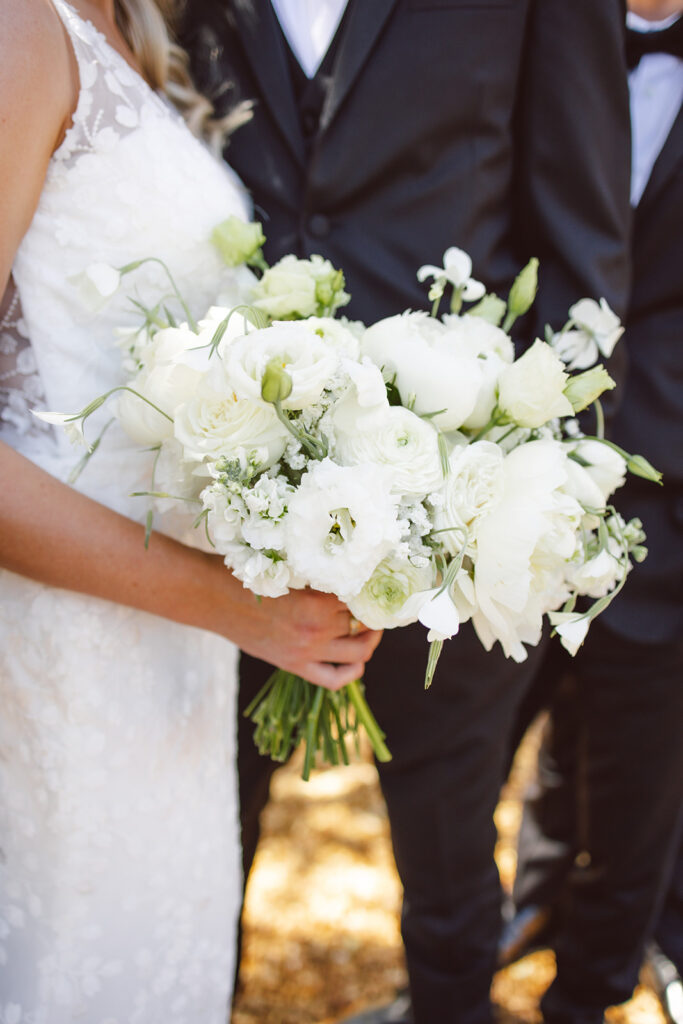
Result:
[353,648]
[332,677]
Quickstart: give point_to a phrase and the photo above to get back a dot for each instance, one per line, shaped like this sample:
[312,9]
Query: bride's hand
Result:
[308,633]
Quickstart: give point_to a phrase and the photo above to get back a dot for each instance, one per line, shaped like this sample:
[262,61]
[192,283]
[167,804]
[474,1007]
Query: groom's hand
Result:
[312,635]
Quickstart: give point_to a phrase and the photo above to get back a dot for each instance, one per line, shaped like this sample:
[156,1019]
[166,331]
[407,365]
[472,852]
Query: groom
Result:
[383,132]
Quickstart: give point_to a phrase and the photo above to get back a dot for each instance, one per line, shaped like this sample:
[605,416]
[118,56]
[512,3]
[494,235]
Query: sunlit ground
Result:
[322,915]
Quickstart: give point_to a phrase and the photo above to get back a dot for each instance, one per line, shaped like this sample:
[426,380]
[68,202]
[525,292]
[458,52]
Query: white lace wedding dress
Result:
[119,844]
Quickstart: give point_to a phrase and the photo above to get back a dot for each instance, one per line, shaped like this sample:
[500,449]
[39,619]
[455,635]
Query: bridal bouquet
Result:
[414,467]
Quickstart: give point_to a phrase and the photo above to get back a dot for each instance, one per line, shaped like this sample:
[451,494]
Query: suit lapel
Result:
[667,161]
[364,22]
[261,38]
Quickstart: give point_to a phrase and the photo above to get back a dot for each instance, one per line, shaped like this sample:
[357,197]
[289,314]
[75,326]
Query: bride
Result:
[119,852]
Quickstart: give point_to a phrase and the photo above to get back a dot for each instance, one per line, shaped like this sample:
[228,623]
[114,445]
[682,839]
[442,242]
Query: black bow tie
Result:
[666,40]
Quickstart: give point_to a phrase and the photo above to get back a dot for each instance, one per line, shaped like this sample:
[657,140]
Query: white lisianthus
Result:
[215,422]
[385,600]
[474,485]
[97,284]
[342,522]
[396,438]
[304,355]
[457,271]
[530,391]
[300,288]
[416,349]
[571,627]
[605,466]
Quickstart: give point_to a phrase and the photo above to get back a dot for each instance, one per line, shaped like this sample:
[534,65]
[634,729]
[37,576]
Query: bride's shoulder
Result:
[38,92]
[38,72]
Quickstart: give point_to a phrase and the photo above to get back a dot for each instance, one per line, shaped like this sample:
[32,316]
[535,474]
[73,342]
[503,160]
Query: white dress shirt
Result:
[656,87]
[309,26]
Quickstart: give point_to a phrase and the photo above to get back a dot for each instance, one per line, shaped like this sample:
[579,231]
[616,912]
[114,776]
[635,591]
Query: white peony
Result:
[342,522]
[474,485]
[531,390]
[396,438]
[385,600]
[493,349]
[308,360]
[430,371]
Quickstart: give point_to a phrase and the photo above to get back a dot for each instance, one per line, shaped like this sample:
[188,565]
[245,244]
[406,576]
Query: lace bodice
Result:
[127,182]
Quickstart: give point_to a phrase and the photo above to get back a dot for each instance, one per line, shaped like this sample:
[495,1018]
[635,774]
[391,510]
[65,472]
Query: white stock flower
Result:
[417,349]
[457,271]
[259,572]
[215,422]
[474,485]
[530,391]
[342,522]
[396,438]
[96,285]
[384,602]
[306,358]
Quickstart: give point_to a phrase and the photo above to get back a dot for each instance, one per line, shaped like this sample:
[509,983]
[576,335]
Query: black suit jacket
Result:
[650,415]
[500,126]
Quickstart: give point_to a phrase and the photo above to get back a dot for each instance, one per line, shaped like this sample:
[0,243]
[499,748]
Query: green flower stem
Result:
[311,446]
[312,724]
[155,259]
[365,716]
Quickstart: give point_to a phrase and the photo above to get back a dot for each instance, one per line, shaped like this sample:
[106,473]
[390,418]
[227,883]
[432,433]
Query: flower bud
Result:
[523,291]
[585,388]
[237,241]
[276,383]
[639,466]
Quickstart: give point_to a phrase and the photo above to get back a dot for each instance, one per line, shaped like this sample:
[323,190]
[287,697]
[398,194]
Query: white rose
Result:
[304,355]
[428,368]
[384,603]
[474,485]
[300,288]
[342,522]
[215,422]
[531,390]
[336,334]
[398,439]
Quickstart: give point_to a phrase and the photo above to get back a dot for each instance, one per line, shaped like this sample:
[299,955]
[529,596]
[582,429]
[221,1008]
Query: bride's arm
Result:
[52,533]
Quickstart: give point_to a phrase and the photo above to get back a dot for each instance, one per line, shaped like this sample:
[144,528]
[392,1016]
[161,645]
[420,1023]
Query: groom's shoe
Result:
[398,1012]
[528,930]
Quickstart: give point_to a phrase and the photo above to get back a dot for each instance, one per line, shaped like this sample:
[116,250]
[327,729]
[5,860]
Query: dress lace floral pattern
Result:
[119,848]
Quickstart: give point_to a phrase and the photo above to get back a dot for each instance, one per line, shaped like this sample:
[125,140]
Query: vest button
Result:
[319,225]
[309,123]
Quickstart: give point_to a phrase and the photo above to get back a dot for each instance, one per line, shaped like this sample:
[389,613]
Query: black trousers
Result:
[599,835]
[449,749]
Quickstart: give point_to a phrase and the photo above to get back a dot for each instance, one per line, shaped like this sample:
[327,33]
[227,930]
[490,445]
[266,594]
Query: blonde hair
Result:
[146,25]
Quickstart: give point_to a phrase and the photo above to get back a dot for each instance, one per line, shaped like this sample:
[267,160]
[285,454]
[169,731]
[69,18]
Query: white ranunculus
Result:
[384,602]
[530,391]
[457,270]
[396,438]
[571,627]
[605,466]
[215,422]
[474,485]
[342,522]
[308,360]
[416,349]
[300,288]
